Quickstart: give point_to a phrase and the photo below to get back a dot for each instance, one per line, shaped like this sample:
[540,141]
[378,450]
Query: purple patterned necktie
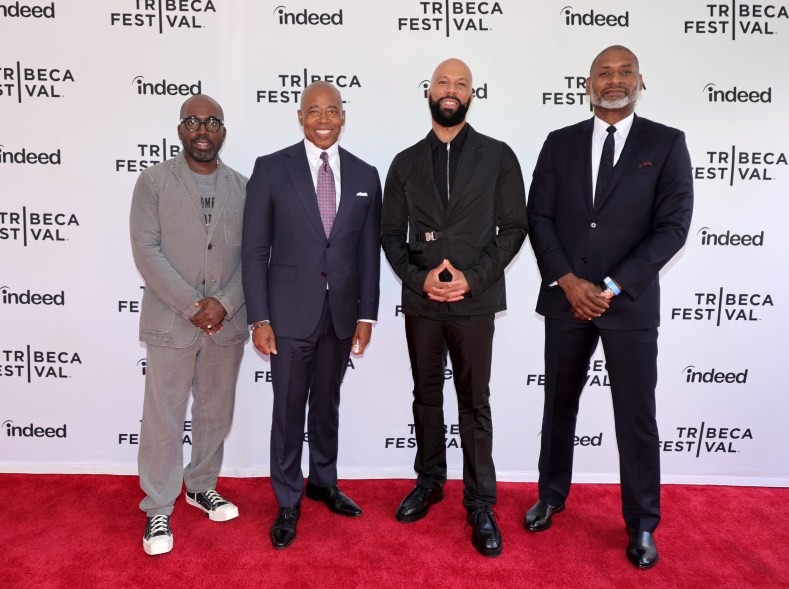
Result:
[327,195]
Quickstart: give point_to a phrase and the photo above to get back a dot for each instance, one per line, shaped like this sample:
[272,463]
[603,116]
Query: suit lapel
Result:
[584,149]
[184,175]
[424,171]
[465,170]
[301,177]
[629,151]
[220,198]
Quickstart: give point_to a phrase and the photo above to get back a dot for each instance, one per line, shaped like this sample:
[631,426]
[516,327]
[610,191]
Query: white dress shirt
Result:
[599,135]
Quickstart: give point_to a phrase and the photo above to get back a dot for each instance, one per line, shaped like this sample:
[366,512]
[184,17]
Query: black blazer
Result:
[488,195]
[636,225]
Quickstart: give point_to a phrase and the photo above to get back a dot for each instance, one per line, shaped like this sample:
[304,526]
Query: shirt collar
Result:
[314,153]
[622,127]
[456,143]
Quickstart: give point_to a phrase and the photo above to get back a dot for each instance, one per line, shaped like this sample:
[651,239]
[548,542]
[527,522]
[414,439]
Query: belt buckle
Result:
[430,236]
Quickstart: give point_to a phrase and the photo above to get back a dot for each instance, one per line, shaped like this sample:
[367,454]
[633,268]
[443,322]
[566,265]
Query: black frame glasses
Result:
[192,124]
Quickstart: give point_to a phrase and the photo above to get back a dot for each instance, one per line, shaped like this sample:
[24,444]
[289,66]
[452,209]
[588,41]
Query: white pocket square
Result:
[361,194]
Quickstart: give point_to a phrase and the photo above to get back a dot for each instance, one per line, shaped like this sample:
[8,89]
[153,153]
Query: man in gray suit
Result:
[185,225]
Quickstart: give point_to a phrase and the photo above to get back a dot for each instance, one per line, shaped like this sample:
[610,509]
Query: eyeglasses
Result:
[192,124]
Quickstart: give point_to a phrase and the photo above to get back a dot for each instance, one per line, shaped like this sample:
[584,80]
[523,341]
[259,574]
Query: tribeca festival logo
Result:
[164,15]
[694,375]
[133,439]
[479,93]
[305,18]
[571,92]
[723,307]
[129,306]
[27,156]
[734,94]
[593,18]
[28,226]
[26,297]
[735,18]
[449,17]
[289,87]
[740,166]
[265,376]
[451,438]
[695,440]
[165,88]
[20,10]
[147,154]
[32,431]
[24,83]
[597,376]
[709,237]
[31,364]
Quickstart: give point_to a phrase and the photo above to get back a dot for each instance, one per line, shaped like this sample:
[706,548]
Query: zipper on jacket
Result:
[448,144]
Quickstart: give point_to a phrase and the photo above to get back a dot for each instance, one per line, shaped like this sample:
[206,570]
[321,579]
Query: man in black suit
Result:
[311,263]
[454,216]
[610,204]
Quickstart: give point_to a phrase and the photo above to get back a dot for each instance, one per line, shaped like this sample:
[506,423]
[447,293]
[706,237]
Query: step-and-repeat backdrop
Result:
[90,93]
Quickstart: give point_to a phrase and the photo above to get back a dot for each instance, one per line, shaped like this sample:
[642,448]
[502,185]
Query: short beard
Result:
[201,155]
[617,103]
[444,120]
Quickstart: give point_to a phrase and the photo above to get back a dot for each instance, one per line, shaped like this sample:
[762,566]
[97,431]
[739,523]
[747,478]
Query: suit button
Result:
[324,274]
[328,245]
[210,246]
[593,225]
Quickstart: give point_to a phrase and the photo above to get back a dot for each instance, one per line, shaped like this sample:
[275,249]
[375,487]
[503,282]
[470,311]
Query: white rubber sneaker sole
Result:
[157,545]
[222,514]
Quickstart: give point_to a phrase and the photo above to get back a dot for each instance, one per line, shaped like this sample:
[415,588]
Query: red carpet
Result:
[86,531]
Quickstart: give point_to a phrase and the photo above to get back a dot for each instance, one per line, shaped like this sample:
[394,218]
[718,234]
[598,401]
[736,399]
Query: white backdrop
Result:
[90,93]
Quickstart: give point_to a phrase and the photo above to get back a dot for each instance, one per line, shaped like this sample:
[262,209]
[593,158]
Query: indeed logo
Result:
[594,19]
[480,92]
[33,431]
[28,157]
[308,18]
[31,298]
[737,95]
[729,238]
[19,10]
[714,376]
[165,88]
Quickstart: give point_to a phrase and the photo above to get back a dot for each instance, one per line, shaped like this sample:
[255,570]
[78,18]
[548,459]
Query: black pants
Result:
[469,341]
[631,360]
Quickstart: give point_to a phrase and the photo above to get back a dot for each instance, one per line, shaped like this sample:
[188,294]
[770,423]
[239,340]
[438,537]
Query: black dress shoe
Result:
[335,500]
[283,532]
[538,518]
[486,536]
[417,503]
[642,551]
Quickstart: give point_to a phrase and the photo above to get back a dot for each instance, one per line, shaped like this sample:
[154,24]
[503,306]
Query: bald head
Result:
[320,87]
[200,101]
[614,48]
[454,68]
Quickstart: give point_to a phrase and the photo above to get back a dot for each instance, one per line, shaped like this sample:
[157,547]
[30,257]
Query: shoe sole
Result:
[409,519]
[489,552]
[214,516]
[156,548]
[550,521]
[314,497]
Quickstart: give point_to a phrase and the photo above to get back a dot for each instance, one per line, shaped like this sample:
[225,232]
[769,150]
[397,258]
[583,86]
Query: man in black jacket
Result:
[454,216]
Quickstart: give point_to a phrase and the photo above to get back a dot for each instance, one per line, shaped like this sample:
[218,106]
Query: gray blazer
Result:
[182,260]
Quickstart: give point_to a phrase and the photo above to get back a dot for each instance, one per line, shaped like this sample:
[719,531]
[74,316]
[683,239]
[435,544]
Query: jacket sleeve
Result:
[369,257]
[256,244]
[394,229]
[146,240]
[673,209]
[510,205]
[551,258]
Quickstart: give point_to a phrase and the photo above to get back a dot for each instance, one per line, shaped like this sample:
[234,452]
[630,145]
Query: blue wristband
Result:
[612,285]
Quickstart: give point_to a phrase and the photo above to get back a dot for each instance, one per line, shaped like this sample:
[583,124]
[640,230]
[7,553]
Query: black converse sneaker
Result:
[216,508]
[158,538]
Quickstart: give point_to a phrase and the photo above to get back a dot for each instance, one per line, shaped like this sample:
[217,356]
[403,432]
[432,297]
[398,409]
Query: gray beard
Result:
[615,103]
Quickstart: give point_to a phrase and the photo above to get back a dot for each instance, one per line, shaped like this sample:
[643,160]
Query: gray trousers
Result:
[210,371]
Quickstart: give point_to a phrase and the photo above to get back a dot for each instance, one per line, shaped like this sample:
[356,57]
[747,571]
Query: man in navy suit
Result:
[610,204]
[311,266]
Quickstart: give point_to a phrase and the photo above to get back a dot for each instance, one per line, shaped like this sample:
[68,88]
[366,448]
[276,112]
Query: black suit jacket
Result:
[482,228]
[287,260]
[633,229]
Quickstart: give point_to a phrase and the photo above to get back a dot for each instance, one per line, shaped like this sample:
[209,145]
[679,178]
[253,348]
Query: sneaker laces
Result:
[214,498]
[158,525]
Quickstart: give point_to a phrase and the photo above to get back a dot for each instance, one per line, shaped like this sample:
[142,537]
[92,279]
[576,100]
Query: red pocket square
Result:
[646,164]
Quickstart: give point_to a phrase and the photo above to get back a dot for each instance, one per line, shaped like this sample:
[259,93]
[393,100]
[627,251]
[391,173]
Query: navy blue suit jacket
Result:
[287,260]
[630,232]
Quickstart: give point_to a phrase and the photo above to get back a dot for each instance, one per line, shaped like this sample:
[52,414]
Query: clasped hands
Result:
[446,292]
[210,316]
[586,298]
